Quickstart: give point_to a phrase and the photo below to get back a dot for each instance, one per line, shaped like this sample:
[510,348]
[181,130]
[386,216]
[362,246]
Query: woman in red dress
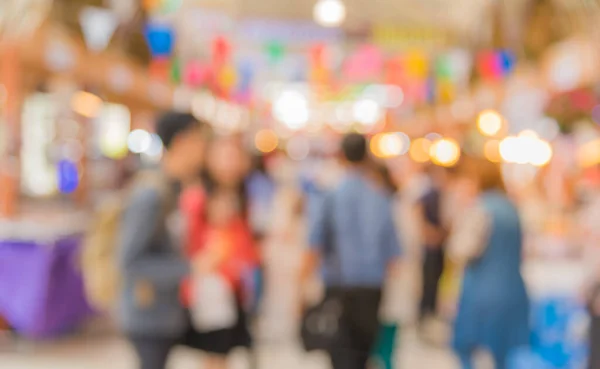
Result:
[220,241]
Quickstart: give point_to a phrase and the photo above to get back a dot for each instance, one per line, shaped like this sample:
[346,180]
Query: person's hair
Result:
[212,186]
[487,174]
[171,124]
[354,148]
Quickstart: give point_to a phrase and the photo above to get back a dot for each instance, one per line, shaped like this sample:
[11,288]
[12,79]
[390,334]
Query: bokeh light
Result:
[588,154]
[491,151]
[419,150]
[389,145]
[266,141]
[329,13]
[526,148]
[139,141]
[540,154]
[154,152]
[490,123]
[114,125]
[291,108]
[367,112]
[445,152]
[86,104]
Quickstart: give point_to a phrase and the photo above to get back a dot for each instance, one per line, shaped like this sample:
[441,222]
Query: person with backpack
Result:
[353,238]
[150,261]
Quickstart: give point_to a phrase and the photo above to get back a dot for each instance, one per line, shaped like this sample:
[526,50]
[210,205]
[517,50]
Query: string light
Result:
[86,104]
[419,150]
[266,141]
[388,145]
[291,108]
[489,123]
[445,152]
[526,148]
[139,141]
[491,151]
[329,13]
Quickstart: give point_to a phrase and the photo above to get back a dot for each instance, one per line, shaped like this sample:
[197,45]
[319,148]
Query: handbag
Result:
[213,303]
[320,323]
[383,352]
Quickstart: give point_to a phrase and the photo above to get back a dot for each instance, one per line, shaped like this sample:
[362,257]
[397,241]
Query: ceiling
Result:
[470,21]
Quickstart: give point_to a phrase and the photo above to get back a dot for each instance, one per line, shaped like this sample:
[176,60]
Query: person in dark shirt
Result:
[433,233]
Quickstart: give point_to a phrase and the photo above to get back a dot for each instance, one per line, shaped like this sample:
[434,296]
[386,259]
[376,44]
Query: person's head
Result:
[227,163]
[482,174]
[184,140]
[354,148]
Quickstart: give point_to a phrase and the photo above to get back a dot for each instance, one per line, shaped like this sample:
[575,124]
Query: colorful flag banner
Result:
[98,26]
[160,38]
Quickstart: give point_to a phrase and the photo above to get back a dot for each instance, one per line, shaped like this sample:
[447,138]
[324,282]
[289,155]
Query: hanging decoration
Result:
[196,73]
[160,38]
[416,65]
[160,69]
[227,79]
[275,52]
[364,65]
[221,51]
[175,69]
[98,26]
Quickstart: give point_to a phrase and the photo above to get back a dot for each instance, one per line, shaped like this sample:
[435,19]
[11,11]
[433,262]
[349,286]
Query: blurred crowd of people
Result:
[193,268]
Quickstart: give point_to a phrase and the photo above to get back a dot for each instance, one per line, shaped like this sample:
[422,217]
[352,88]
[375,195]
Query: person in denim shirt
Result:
[353,237]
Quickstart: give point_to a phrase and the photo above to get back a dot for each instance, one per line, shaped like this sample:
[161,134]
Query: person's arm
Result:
[469,236]
[393,245]
[138,228]
[431,234]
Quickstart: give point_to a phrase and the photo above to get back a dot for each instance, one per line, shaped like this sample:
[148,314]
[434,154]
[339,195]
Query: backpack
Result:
[100,270]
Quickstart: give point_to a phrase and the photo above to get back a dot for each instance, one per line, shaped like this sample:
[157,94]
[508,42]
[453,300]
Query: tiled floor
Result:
[276,348]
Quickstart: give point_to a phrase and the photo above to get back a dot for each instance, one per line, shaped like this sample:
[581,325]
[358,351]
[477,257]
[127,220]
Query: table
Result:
[41,289]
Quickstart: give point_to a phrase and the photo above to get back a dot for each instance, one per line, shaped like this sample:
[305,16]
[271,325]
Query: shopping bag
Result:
[213,303]
[320,324]
[383,352]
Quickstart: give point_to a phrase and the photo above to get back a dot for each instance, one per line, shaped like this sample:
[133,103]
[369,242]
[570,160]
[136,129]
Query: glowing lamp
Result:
[329,13]
[489,123]
[445,152]
[266,141]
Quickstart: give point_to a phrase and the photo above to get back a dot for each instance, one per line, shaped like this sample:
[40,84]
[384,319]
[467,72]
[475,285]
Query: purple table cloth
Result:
[41,289]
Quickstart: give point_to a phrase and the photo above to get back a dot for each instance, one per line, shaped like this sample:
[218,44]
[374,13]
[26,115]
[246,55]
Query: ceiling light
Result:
[329,13]
[291,108]
[367,112]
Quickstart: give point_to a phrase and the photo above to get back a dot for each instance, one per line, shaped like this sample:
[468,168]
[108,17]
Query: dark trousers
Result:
[153,353]
[433,267]
[358,328]
[594,360]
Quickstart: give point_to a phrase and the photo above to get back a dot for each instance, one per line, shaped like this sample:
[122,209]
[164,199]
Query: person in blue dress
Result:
[493,310]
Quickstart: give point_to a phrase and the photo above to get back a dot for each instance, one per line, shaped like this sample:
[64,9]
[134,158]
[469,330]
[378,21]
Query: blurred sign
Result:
[203,25]
[397,36]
